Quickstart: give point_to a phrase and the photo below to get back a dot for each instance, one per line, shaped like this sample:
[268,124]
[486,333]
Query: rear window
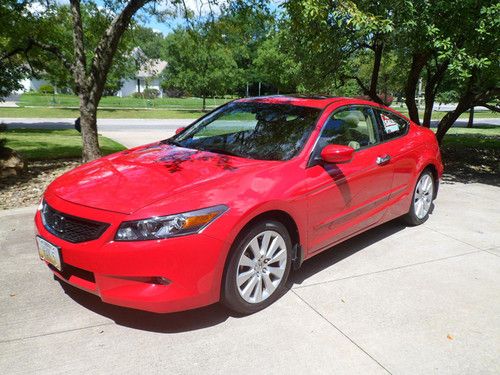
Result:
[392,125]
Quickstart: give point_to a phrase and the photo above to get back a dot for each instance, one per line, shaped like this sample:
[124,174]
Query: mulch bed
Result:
[26,190]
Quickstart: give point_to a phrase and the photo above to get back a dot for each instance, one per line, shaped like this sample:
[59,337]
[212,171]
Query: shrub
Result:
[151,93]
[173,92]
[147,94]
[46,89]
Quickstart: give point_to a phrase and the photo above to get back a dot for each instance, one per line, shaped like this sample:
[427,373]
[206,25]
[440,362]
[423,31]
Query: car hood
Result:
[132,179]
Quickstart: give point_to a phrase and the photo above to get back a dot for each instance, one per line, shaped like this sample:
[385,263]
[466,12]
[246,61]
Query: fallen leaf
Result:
[12,294]
[449,337]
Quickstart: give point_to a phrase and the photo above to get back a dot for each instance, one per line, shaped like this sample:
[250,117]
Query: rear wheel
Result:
[258,267]
[423,195]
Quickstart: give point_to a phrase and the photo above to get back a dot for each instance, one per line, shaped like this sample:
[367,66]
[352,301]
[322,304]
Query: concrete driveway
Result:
[393,300]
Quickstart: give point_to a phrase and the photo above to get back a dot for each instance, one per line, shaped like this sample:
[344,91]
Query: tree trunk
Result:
[431,89]
[204,104]
[88,122]
[471,118]
[417,64]
[377,60]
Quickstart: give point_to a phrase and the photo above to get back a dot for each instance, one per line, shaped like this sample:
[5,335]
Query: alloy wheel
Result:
[261,266]
[423,196]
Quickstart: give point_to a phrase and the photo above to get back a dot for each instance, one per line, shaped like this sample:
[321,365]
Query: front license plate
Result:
[49,253]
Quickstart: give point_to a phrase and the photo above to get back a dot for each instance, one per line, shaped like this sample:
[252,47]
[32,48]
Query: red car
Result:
[227,207]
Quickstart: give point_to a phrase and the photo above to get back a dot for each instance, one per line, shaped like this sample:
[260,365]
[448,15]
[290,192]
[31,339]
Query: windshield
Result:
[252,130]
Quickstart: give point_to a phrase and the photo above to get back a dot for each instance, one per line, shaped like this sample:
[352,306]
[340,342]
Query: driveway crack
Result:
[341,332]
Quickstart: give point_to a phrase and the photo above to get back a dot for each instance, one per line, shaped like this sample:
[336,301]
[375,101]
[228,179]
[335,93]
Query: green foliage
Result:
[199,63]
[46,89]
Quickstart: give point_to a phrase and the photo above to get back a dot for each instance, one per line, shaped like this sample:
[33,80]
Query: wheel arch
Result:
[284,218]
[432,168]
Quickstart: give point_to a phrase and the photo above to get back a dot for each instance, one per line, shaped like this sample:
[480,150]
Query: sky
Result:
[169,24]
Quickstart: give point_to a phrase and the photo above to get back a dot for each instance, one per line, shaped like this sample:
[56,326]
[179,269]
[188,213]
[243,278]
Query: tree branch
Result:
[105,50]
[493,108]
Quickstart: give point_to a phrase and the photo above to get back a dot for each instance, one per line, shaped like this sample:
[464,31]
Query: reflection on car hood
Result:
[132,179]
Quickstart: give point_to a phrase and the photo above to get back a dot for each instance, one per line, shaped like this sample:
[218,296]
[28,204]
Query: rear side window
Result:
[392,126]
[351,126]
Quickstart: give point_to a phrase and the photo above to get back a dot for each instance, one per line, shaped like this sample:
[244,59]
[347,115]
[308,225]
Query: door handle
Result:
[384,159]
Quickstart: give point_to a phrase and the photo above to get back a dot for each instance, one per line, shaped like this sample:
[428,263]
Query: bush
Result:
[147,94]
[46,89]
[151,93]
[173,92]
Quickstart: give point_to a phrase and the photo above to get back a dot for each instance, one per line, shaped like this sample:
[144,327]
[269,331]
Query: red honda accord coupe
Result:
[227,207]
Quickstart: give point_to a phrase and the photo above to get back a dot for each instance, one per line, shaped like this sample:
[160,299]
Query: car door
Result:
[403,154]
[345,198]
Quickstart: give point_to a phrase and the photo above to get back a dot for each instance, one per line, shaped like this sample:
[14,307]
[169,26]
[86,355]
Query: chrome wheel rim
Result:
[423,196]
[261,266]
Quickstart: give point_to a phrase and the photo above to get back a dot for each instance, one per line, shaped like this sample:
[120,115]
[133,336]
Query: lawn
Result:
[60,100]
[46,112]
[36,144]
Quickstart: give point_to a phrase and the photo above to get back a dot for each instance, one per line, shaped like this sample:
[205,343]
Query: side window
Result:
[392,125]
[351,126]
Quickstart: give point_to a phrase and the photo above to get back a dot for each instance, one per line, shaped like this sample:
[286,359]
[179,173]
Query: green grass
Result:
[60,100]
[36,144]
[493,131]
[472,141]
[45,112]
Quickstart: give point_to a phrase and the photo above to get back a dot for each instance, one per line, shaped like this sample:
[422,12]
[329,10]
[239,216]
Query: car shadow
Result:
[212,315]
[184,321]
[344,250]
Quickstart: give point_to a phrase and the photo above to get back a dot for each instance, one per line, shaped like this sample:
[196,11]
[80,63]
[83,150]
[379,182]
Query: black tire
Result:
[230,295]
[411,218]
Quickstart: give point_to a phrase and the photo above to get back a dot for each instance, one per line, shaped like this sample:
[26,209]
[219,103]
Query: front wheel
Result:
[258,267]
[422,199]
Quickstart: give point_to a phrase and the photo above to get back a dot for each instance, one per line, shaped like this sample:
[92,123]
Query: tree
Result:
[90,60]
[198,63]
[276,67]
[430,40]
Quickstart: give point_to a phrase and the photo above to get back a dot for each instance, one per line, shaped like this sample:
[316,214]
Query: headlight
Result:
[168,226]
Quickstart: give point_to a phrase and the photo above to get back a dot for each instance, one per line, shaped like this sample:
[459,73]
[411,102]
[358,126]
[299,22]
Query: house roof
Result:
[151,68]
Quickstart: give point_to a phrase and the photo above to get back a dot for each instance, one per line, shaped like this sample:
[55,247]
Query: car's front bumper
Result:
[159,276]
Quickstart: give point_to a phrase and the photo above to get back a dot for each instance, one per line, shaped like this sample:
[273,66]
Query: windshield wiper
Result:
[171,142]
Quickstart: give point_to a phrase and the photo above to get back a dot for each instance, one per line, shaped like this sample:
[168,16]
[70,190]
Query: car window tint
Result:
[392,125]
[353,126]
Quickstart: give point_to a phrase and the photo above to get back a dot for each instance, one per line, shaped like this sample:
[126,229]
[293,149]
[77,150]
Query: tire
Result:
[422,199]
[254,278]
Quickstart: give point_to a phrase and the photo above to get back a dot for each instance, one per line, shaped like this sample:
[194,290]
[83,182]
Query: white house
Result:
[146,77]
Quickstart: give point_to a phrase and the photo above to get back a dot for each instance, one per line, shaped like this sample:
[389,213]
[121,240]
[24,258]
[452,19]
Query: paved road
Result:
[393,300]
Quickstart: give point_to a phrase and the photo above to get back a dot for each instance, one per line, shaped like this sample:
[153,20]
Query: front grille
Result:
[71,228]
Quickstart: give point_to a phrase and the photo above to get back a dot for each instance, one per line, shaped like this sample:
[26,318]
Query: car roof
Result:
[314,101]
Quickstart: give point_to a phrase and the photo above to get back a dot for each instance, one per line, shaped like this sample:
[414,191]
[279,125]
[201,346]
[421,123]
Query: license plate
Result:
[49,253]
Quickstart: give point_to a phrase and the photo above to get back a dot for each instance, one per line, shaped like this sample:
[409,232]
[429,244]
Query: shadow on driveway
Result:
[214,314]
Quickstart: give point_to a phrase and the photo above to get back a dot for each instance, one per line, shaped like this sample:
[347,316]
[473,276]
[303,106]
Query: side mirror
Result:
[336,154]
[180,130]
